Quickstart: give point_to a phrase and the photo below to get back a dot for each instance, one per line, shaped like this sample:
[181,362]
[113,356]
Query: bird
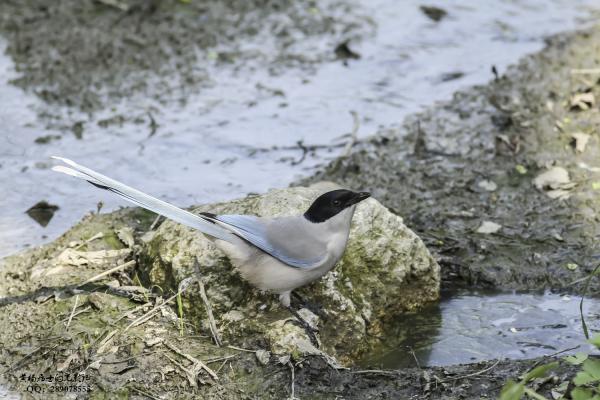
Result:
[278,254]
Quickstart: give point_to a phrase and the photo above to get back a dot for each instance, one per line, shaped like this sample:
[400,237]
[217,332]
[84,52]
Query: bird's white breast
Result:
[267,273]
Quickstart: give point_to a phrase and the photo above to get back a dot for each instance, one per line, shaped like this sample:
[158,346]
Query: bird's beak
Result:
[358,197]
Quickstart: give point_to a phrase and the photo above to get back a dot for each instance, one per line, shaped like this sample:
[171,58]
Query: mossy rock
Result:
[385,271]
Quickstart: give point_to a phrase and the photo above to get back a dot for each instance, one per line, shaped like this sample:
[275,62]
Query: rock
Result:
[488,227]
[42,212]
[386,270]
[580,141]
[434,13]
[488,186]
[263,356]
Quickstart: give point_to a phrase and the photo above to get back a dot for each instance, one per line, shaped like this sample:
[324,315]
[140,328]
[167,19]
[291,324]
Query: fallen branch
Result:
[155,223]
[72,311]
[98,235]
[241,349]
[483,371]
[375,371]
[538,362]
[150,314]
[108,272]
[224,358]
[211,319]
[104,343]
[353,135]
[143,393]
[191,376]
[292,397]
[84,310]
[585,71]
[193,359]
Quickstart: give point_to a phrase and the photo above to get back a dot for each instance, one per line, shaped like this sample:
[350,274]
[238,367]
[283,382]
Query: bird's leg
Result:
[285,300]
[310,331]
[314,307]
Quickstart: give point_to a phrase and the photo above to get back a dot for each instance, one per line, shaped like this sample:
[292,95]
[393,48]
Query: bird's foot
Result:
[308,328]
[315,308]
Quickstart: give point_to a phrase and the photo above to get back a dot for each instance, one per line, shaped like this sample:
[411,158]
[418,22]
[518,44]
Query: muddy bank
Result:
[462,164]
[466,162]
[162,49]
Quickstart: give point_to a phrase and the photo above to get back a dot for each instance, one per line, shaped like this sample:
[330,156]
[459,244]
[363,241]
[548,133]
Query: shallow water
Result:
[218,145]
[468,327]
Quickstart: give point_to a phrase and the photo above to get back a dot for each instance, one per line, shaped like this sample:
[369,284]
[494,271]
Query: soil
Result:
[116,49]
[436,172]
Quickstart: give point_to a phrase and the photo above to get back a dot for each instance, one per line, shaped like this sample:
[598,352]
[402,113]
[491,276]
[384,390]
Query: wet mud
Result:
[476,158]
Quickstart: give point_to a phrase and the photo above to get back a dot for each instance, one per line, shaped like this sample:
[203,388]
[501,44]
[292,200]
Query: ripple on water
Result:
[469,327]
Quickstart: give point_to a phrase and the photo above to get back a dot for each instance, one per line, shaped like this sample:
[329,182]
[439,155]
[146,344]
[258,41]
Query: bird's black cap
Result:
[332,203]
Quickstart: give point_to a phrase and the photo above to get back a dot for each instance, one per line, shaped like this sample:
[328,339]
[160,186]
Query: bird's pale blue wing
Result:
[290,246]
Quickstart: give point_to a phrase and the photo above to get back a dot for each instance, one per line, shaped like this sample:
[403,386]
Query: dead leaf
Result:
[554,178]
[78,258]
[125,235]
[555,182]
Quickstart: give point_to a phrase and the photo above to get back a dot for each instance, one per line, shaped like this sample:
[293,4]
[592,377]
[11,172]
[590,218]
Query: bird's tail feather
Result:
[143,200]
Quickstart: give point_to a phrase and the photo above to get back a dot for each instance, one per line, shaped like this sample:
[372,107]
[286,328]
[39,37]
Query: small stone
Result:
[434,13]
[284,359]
[580,141]
[486,185]
[488,227]
[263,356]
[42,212]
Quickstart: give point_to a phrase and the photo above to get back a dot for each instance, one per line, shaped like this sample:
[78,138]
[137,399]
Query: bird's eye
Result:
[336,203]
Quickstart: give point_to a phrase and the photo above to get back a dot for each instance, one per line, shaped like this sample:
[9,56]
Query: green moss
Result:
[112,240]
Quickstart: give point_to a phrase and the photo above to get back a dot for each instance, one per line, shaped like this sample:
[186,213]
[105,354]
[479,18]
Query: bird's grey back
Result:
[292,240]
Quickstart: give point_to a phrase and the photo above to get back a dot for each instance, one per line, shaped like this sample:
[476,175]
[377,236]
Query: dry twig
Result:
[150,314]
[72,311]
[197,363]
[108,272]
[241,349]
[353,135]
[211,319]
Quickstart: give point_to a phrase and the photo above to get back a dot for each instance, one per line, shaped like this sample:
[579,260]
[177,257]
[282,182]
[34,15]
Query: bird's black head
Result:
[332,203]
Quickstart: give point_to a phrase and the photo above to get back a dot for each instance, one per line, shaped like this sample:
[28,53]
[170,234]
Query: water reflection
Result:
[469,327]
